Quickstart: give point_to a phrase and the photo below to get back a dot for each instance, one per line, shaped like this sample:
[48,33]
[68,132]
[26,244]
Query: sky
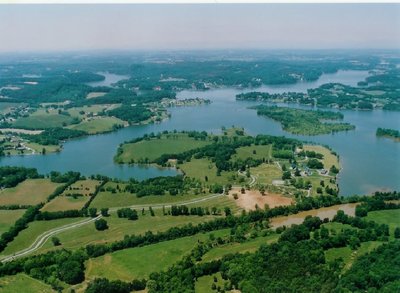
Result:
[198,26]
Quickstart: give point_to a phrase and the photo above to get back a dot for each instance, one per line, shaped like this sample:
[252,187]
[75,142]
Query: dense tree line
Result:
[53,136]
[11,176]
[160,185]
[102,285]
[388,132]
[128,213]
[20,224]
[46,216]
[183,210]
[69,176]
[14,207]
[310,154]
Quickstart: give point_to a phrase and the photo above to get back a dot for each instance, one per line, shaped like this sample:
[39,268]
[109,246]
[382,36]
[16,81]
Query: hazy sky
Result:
[198,26]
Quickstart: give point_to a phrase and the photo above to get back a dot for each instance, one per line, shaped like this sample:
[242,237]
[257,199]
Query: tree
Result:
[100,224]
[397,233]
[93,212]
[104,212]
[56,241]
[227,211]
[286,175]
[71,272]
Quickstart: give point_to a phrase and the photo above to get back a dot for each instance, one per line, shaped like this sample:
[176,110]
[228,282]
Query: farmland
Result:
[74,198]
[149,150]
[29,192]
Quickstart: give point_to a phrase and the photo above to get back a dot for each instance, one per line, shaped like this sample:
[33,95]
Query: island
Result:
[389,133]
[304,122]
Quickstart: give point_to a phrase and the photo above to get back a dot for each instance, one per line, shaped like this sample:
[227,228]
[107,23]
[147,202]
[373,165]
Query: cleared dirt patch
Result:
[251,198]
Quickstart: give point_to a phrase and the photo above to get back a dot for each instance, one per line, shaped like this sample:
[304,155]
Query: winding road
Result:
[41,239]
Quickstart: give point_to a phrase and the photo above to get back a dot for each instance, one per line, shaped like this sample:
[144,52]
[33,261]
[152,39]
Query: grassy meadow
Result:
[139,262]
[28,192]
[21,283]
[172,143]
[8,218]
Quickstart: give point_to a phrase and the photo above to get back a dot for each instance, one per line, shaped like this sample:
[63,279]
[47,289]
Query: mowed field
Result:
[154,148]
[97,125]
[254,151]
[119,227]
[390,217]
[8,218]
[247,246]
[203,284]
[27,236]
[329,159]
[42,120]
[266,173]
[22,283]
[107,199]
[29,192]
[202,168]
[67,202]
[139,262]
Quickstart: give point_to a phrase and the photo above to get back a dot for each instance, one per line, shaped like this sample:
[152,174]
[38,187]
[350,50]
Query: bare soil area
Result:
[251,198]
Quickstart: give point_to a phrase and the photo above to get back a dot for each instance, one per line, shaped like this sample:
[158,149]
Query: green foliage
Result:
[128,213]
[315,164]
[374,272]
[132,114]
[391,133]
[53,136]
[11,176]
[306,122]
[100,224]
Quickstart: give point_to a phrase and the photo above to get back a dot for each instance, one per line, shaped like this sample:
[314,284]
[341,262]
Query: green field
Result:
[120,199]
[21,283]
[26,237]
[203,284]
[8,218]
[348,255]
[220,202]
[139,262]
[65,202]
[266,173]
[28,192]
[98,125]
[118,227]
[390,217]
[247,246]
[38,148]
[84,111]
[173,143]
[329,159]
[42,120]
[254,151]
[200,168]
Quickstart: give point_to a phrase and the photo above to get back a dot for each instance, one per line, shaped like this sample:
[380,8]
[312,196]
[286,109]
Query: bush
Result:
[100,224]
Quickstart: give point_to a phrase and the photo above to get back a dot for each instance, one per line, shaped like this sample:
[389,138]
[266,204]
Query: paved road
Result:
[41,239]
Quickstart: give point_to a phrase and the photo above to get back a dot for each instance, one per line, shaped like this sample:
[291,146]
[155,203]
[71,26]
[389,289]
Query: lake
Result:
[109,79]
[369,163]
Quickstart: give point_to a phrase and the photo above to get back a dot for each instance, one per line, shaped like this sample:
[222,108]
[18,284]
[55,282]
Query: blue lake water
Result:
[369,163]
